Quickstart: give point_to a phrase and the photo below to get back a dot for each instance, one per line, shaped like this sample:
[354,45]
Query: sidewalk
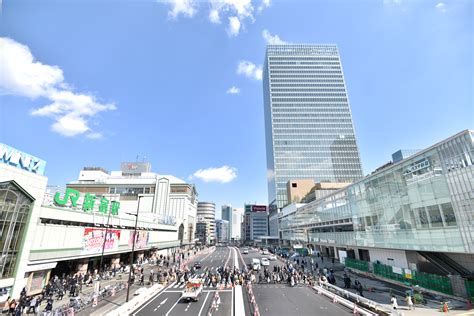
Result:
[381,291]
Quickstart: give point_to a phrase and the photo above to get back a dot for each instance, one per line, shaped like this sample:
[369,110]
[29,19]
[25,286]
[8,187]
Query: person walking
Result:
[6,306]
[410,302]
[394,302]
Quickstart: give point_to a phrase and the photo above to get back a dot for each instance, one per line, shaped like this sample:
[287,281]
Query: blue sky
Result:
[99,82]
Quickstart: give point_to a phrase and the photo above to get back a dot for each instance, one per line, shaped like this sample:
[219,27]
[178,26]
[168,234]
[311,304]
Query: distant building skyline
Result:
[308,123]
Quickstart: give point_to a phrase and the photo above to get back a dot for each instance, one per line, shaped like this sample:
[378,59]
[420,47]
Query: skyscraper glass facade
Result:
[308,122]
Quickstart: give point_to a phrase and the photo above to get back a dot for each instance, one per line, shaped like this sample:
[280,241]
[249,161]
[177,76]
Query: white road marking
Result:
[187,307]
[173,306]
[164,301]
[204,303]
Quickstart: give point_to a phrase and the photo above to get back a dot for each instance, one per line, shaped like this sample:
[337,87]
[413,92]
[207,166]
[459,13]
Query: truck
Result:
[192,290]
[255,264]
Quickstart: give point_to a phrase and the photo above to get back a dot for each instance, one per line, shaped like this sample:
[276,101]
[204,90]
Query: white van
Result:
[255,264]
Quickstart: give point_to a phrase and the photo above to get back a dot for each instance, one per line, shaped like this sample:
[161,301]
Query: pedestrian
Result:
[360,289]
[6,306]
[32,305]
[394,302]
[12,306]
[410,303]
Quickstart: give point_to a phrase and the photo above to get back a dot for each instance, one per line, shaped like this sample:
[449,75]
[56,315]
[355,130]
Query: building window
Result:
[294,185]
[14,211]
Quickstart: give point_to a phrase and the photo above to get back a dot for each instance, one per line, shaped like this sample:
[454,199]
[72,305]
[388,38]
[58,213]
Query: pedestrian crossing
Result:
[175,285]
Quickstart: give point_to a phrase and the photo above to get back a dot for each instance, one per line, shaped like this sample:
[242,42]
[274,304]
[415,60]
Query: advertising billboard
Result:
[93,240]
[141,240]
[259,208]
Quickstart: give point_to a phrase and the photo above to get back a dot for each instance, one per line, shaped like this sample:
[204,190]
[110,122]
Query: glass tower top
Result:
[308,122]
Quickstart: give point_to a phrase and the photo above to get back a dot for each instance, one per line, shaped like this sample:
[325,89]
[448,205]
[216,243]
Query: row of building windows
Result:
[131,191]
[311,131]
[298,58]
[317,94]
[298,81]
[304,76]
[319,67]
[291,63]
[336,109]
[309,85]
[290,99]
[309,89]
[322,143]
[305,71]
[311,120]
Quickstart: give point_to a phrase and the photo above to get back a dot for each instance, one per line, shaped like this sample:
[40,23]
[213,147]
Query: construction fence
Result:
[409,277]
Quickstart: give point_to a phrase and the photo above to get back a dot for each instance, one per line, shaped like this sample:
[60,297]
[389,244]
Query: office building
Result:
[226,214]
[206,213]
[415,214]
[255,223]
[236,227]
[308,122]
[222,230]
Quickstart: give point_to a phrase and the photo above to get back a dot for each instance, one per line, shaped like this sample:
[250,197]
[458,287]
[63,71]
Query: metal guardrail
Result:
[340,300]
[357,298]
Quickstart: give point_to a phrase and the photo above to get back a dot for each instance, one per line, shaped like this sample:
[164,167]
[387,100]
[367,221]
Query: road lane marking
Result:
[187,307]
[173,307]
[204,303]
[164,301]
[174,291]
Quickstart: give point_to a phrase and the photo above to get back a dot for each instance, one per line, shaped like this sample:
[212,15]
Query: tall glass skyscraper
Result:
[308,122]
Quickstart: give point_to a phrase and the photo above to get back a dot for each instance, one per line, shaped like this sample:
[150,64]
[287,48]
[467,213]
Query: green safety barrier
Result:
[357,264]
[428,281]
[470,289]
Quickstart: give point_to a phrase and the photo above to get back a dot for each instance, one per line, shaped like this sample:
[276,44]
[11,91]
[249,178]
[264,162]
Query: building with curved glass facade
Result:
[308,122]
[416,210]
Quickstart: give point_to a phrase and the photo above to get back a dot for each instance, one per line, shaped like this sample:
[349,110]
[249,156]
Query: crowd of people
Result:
[73,285]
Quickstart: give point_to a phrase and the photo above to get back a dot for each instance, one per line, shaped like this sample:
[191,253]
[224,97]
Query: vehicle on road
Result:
[255,264]
[264,262]
[193,290]
[246,251]
[197,265]
[272,257]
[265,252]
[3,294]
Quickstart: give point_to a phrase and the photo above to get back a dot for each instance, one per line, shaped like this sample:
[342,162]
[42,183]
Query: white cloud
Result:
[250,70]
[233,90]
[23,76]
[272,39]
[234,26]
[223,174]
[392,2]
[238,12]
[263,5]
[185,7]
[214,16]
[441,7]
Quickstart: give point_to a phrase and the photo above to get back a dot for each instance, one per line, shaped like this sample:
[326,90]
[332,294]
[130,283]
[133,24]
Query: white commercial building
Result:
[93,219]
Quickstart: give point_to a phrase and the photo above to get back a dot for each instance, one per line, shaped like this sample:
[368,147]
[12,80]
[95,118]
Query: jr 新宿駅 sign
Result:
[88,203]
[21,160]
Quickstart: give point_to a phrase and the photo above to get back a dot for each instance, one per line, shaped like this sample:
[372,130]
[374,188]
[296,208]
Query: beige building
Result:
[306,190]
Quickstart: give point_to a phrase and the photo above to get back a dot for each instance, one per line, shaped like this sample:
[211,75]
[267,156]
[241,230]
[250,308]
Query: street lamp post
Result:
[133,248]
[103,245]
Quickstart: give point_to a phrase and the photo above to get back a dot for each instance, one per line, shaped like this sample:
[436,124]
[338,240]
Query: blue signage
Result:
[21,160]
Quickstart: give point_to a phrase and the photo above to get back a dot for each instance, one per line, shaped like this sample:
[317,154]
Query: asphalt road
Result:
[168,303]
[281,299]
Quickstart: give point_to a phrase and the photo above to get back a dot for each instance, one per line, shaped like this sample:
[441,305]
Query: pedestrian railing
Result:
[345,302]
[357,299]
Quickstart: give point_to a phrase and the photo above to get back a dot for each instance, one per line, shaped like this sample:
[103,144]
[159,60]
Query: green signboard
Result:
[88,203]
